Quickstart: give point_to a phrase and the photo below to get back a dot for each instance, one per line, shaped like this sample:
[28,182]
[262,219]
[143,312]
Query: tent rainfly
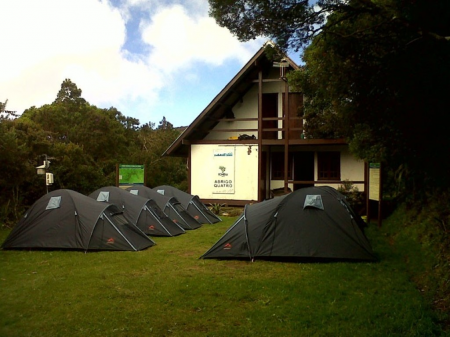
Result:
[170,206]
[142,212]
[65,219]
[191,203]
[312,223]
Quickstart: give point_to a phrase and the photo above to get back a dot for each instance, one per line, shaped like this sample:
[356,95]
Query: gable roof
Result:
[226,99]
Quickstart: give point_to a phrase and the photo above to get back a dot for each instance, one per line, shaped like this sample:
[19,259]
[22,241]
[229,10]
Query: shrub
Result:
[352,194]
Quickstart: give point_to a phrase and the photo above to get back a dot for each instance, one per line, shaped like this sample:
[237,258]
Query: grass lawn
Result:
[167,291]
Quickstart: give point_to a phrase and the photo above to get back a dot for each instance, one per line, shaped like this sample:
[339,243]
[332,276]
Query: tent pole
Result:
[157,218]
[112,224]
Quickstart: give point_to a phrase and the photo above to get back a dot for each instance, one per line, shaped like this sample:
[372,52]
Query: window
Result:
[278,166]
[329,165]
[313,201]
[103,196]
[54,202]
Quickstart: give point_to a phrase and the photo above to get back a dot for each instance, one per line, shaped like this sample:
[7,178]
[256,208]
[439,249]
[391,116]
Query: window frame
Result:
[277,166]
[329,166]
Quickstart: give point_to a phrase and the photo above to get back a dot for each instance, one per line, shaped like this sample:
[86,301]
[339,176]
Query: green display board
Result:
[131,174]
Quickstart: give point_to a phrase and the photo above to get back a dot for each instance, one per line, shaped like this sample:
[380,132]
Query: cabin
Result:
[249,145]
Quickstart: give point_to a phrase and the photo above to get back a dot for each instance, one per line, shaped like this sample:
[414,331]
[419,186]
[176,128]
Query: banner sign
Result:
[131,174]
[223,171]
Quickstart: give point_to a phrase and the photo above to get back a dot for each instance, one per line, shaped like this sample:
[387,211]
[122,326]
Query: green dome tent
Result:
[65,219]
[169,205]
[191,203]
[310,223]
[143,212]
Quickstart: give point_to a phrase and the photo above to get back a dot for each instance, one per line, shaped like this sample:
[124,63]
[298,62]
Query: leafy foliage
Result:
[381,85]
[293,23]
[160,170]
[3,106]
[420,231]
[84,143]
[352,194]
[69,94]
[376,73]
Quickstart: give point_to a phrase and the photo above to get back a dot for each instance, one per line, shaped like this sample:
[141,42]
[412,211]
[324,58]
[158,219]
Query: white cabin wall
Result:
[351,168]
[245,172]
[248,108]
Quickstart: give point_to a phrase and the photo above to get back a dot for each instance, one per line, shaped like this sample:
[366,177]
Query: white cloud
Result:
[46,41]
[178,40]
[50,40]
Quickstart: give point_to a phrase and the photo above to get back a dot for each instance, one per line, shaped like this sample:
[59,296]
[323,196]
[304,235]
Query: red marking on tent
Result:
[175,220]
[110,240]
[227,246]
[196,217]
[151,227]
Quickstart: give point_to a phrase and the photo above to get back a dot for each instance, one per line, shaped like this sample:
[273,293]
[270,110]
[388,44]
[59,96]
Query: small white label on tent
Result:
[103,196]
[313,201]
[135,192]
[54,202]
[160,192]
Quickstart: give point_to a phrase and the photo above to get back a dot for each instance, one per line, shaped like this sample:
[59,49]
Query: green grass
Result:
[167,291]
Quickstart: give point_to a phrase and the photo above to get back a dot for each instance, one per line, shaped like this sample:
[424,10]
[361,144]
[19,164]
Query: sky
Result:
[148,58]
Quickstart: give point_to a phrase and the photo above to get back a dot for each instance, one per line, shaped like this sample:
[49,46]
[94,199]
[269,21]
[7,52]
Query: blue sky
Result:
[147,58]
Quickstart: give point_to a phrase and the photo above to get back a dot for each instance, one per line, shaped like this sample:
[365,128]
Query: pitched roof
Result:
[226,99]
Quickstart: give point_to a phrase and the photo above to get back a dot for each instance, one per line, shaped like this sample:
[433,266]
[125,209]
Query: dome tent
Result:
[65,219]
[142,212]
[311,223]
[191,203]
[169,205]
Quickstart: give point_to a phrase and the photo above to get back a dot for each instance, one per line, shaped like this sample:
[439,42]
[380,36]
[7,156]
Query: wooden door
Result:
[295,106]
[269,110]
[303,168]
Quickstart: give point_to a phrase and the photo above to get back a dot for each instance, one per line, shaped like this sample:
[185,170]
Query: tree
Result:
[375,73]
[387,87]
[3,106]
[293,23]
[69,93]
[160,170]
[20,143]
[165,124]
[85,144]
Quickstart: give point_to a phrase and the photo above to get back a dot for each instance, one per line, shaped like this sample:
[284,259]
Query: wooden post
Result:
[260,133]
[366,189]
[117,175]
[380,201]
[286,136]
[145,175]
[189,169]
